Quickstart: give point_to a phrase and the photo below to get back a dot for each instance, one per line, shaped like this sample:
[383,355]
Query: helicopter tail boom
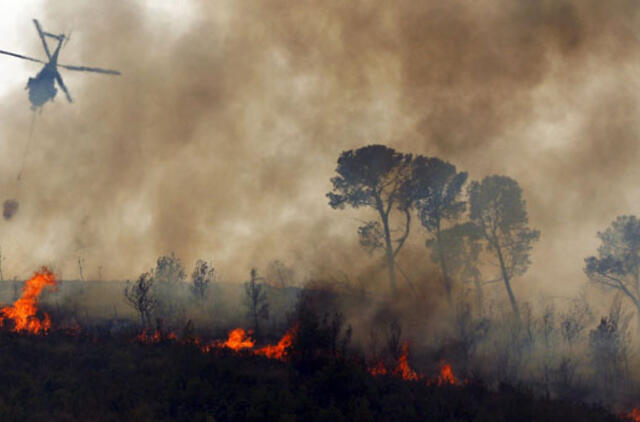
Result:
[63,87]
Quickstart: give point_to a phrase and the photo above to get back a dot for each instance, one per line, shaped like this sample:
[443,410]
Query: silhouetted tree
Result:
[201,278]
[139,296]
[617,265]
[499,212]
[436,187]
[378,177]
[169,269]
[256,301]
[169,276]
[461,249]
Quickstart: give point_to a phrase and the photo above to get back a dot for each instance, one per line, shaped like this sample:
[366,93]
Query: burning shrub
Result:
[238,340]
[23,314]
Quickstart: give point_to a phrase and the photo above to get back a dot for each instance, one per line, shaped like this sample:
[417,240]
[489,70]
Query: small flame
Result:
[634,415]
[402,368]
[146,338]
[239,339]
[446,376]
[157,336]
[280,350]
[23,311]
[378,369]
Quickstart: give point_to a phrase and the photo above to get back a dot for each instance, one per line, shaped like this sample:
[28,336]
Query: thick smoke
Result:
[219,140]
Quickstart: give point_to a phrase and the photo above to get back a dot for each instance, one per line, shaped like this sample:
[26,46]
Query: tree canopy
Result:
[499,212]
[436,189]
[617,265]
[378,177]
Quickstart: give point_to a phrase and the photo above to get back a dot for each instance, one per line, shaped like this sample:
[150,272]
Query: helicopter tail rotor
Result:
[67,38]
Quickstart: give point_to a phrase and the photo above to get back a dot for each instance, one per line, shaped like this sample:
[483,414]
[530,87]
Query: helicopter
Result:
[42,86]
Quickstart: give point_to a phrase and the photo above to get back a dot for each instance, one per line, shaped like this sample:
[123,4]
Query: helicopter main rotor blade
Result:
[90,69]
[20,56]
[44,42]
[63,86]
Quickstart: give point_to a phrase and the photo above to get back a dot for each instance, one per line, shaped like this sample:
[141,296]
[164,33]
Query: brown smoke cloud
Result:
[219,139]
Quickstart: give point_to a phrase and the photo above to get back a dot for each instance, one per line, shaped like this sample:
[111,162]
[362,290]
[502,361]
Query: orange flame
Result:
[634,415]
[280,350]
[146,338]
[238,340]
[378,369]
[23,311]
[446,376]
[156,337]
[402,368]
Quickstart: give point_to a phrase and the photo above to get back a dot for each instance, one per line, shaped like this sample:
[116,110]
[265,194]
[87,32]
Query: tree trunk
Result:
[479,293]
[392,271]
[255,324]
[146,319]
[443,267]
[507,283]
[636,295]
[389,253]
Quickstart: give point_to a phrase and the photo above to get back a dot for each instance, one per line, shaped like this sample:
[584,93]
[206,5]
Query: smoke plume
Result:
[219,140]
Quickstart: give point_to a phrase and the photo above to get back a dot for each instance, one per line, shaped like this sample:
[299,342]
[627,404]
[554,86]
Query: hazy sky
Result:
[221,136]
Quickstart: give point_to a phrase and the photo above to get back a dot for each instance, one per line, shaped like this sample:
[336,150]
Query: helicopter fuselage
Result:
[42,87]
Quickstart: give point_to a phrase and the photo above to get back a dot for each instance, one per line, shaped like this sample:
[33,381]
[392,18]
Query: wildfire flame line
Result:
[237,340]
[23,318]
[279,351]
[404,371]
[23,311]
[23,314]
